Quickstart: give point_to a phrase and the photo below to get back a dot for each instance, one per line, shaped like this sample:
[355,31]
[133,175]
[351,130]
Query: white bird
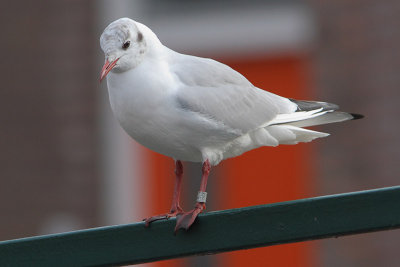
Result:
[197,109]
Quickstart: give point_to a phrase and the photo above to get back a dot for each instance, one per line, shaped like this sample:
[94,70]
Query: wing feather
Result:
[225,95]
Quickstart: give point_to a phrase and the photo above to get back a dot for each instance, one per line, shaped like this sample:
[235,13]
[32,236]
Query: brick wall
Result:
[48,135]
[357,66]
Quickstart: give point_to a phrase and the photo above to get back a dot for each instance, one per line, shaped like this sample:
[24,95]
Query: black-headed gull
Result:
[197,109]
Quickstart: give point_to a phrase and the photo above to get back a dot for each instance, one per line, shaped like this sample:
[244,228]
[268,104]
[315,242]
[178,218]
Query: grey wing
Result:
[216,91]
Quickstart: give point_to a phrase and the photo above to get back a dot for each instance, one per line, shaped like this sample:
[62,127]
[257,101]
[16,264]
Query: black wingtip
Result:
[357,116]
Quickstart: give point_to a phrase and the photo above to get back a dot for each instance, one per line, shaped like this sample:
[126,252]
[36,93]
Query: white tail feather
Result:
[290,135]
[329,117]
[296,116]
[311,118]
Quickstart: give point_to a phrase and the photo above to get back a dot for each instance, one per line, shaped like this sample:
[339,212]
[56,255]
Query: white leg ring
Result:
[201,196]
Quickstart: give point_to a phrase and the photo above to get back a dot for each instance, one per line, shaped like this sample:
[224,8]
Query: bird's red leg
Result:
[186,219]
[175,207]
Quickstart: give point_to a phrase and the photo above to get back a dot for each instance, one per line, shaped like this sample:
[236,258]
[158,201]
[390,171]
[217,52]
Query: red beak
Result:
[106,68]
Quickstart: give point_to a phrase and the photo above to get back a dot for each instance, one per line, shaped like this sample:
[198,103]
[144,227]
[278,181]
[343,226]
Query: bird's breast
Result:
[136,100]
[143,106]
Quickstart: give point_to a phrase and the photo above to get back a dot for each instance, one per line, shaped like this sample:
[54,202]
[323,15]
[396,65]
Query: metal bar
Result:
[214,232]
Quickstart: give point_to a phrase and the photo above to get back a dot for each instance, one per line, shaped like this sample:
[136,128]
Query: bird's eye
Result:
[126,45]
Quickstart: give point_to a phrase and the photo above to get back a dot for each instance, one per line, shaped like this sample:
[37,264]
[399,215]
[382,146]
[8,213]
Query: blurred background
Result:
[65,163]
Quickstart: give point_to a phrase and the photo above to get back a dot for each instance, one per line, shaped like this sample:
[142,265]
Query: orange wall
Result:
[268,175]
[262,176]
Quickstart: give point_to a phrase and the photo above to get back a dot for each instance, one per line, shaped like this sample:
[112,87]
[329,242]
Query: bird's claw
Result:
[186,219]
[165,216]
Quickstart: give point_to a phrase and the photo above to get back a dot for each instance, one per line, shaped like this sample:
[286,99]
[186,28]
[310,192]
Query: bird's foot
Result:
[165,216]
[185,220]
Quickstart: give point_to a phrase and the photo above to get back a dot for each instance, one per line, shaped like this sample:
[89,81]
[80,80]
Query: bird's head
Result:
[124,46]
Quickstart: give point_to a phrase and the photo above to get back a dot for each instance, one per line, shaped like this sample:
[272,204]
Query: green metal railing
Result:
[214,232]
